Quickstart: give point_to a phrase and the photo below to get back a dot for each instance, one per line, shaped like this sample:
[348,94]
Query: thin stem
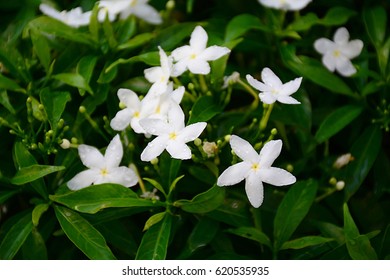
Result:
[252,92]
[266,114]
[203,84]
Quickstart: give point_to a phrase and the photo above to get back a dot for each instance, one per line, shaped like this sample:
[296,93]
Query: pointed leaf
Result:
[154,244]
[97,197]
[304,242]
[204,109]
[252,234]
[154,220]
[337,16]
[241,24]
[34,248]
[83,234]
[202,234]
[38,212]
[292,210]
[74,80]
[6,83]
[375,21]
[137,41]
[4,100]
[34,172]
[41,48]
[54,103]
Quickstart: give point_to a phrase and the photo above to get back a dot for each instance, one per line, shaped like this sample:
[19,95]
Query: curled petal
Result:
[243,149]
[198,39]
[122,119]
[270,152]
[154,148]
[83,179]
[234,174]
[270,79]
[276,176]
[114,152]
[257,84]
[91,157]
[254,190]
[178,150]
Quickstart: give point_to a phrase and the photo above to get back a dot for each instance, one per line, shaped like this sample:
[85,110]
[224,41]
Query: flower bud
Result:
[65,144]
[274,131]
[227,137]
[340,185]
[197,142]
[210,148]
[290,168]
[82,109]
[154,161]
[333,181]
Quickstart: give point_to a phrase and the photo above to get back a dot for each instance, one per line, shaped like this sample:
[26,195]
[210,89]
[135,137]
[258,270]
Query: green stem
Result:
[266,114]
[203,84]
[251,91]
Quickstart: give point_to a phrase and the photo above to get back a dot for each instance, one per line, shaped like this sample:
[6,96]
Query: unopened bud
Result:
[122,105]
[65,144]
[274,131]
[340,185]
[210,148]
[333,181]
[82,109]
[227,137]
[290,168]
[154,161]
[197,142]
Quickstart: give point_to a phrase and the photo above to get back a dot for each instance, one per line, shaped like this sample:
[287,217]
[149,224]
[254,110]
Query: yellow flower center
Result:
[255,166]
[134,3]
[193,56]
[104,172]
[172,135]
[136,114]
[336,53]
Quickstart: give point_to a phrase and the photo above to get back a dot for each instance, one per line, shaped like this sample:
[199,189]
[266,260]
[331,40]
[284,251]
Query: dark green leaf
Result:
[304,22]
[86,66]
[83,234]
[137,41]
[174,35]
[151,58]
[4,195]
[34,172]
[304,242]
[154,244]
[6,83]
[74,80]
[203,202]
[252,234]
[232,212]
[154,220]
[365,151]
[4,100]
[336,121]
[15,237]
[202,234]
[41,48]
[241,24]
[14,62]
[337,16]
[156,184]
[375,21]
[292,210]
[54,103]
[34,248]
[95,198]
[359,246]
[204,109]
[38,212]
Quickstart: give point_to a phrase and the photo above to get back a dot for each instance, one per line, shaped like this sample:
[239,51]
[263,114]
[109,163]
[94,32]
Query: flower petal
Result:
[329,61]
[234,174]
[291,87]
[154,148]
[176,117]
[198,66]
[181,52]
[123,176]
[165,61]
[270,79]
[267,97]
[83,179]
[177,94]
[153,74]
[129,98]
[91,157]
[179,68]
[270,152]
[178,150]
[257,84]
[122,119]
[213,53]
[341,36]
[323,45]
[287,100]
[243,149]
[353,48]
[276,176]
[147,13]
[254,190]
[198,41]
[345,67]
[114,152]
[155,126]
[191,132]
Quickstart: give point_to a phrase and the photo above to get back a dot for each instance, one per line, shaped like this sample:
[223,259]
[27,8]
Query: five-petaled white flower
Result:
[273,89]
[337,54]
[103,169]
[159,75]
[287,5]
[74,17]
[196,55]
[172,135]
[125,8]
[255,169]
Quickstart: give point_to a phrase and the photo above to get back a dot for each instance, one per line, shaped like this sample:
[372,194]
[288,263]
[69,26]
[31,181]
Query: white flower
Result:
[255,169]
[103,169]
[232,79]
[195,56]
[337,54]
[125,8]
[273,89]
[288,5]
[159,75]
[172,135]
[74,17]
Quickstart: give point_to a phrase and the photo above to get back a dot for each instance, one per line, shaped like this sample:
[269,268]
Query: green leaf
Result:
[241,24]
[359,246]
[15,237]
[34,248]
[154,220]
[74,80]
[202,234]
[203,202]
[232,212]
[314,71]
[292,210]
[156,184]
[38,212]
[6,83]
[173,35]
[137,41]
[154,243]
[4,100]
[83,234]
[14,62]
[375,21]
[336,121]
[41,48]
[252,234]
[54,103]
[150,58]
[204,109]
[304,242]
[5,195]
[34,172]
[86,66]
[365,151]
[304,23]
[337,16]
[97,197]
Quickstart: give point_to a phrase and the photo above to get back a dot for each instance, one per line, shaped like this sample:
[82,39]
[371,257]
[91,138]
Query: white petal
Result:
[341,36]
[122,119]
[155,126]
[181,52]
[123,176]
[270,79]
[176,117]
[198,66]
[234,174]
[153,74]
[270,152]
[135,125]
[179,68]
[165,61]
[345,67]
[291,87]
[83,179]
[329,61]
[267,97]
[114,152]
[213,53]
[148,14]
[287,99]
[243,149]
[158,88]
[198,39]
[254,190]
[191,132]
[129,98]
[298,4]
[51,12]
[276,176]
[323,45]
[352,49]
[178,150]
[177,94]
[91,157]
[154,148]
[257,84]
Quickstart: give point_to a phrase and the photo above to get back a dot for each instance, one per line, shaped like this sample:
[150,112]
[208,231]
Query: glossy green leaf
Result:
[54,103]
[14,62]
[252,233]
[83,234]
[239,25]
[337,16]
[4,100]
[174,35]
[154,243]
[331,230]
[41,48]
[304,22]
[15,237]
[204,109]
[336,121]
[292,210]
[6,83]
[74,80]
[38,212]
[203,202]
[109,35]
[232,212]
[375,21]
[365,151]
[359,246]
[34,248]
[202,234]
[34,172]
[137,41]
[86,66]
[151,58]
[154,220]
[304,242]
[156,184]
[169,170]
[95,198]
[5,195]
